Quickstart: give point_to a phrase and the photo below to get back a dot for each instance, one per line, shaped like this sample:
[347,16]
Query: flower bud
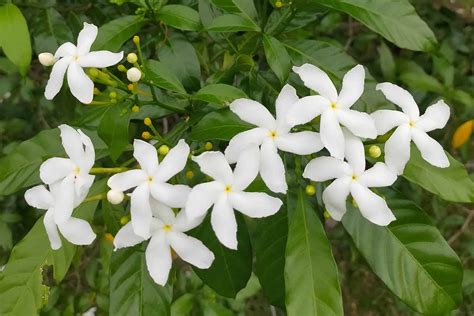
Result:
[136,39]
[135,109]
[326,214]
[113,95]
[134,74]
[46,59]
[130,87]
[122,68]
[310,189]
[115,197]
[163,150]
[147,121]
[374,151]
[146,135]
[93,72]
[109,237]
[132,58]
[208,146]
[278,4]
[124,220]
[96,91]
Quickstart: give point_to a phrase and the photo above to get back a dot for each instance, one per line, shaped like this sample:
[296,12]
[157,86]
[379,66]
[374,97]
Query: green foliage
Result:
[113,34]
[180,17]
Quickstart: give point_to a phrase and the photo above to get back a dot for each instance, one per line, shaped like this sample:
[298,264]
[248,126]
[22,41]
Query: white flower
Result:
[115,197]
[167,232]
[59,205]
[73,58]
[410,126]
[351,177]
[226,193]
[72,171]
[46,59]
[335,110]
[152,179]
[134,74]
[271,134]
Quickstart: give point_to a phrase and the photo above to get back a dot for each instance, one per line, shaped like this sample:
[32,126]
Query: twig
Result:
[458,233]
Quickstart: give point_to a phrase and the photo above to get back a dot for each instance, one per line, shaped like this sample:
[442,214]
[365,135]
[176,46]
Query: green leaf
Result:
[231,269]
[311,279]
[387,62]
[115,33]
[245,7]
[219,93]
[20,168]
[160,75]
[410,256]
[50,31]
[113,128]
[21,283]
[221,124]
[422,81]
[397,21]
[450,184]
[232,23]
[277,57]
[183,305]
[15,37]
[180,16]
[132,290]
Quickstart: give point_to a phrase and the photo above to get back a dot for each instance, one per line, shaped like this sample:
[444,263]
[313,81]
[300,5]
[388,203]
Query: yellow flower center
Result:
[333,105]
[354,177]
[272,134]
[228,188]
[77,171]
[411,123]
[167,227]
[149,179]
[75,57]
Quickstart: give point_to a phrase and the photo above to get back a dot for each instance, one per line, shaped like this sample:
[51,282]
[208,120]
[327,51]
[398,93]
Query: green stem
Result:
[96,197]
[100,170]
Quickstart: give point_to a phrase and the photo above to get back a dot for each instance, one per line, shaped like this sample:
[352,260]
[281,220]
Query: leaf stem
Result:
[101,170]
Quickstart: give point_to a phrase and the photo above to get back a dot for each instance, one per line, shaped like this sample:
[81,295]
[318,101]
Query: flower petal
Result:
[82,185]
[301,143]
[39,197]
[430,149]
[72,143]
[385,120]
[436,116]
[214,164]
[126,180]
[64,200]
[80,84]
[372,207]
[146,155]
[126,237]
[378,176]
[331,134]
[317,80]
[354,152]
[85,39]
[400,97]
[77,231]
[173,195]
[65,50]
[162,212]
[253,112]
[88,160]
[223,223]
[246,169]
[326,168]
[255,204]
[242,140]
[335,196]
[183,223]
[359,123]
[174,162]
[285,100]
[55,169]
[202,197]
[52,230]
[397,149]
[352,87]
[190,249]
[158,259]
[140,211]
[272,168]
[100,59]
[56,78]
[306,109]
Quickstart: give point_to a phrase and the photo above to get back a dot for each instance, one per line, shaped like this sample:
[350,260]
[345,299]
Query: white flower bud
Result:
[134,74]
[46,59]
[115,197]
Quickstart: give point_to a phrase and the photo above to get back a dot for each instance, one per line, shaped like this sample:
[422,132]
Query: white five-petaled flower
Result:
[72,171]
[410,126]
[226,193]
[72,58]
[352,178]
[152,179]
[167,232]
[334,108]
[58,214]
[271,134]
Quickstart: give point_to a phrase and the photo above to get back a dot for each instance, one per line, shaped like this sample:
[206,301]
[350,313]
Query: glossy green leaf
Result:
[132,290]
[245,7]
[231,269]
[183,305]
[451,184]
[115,33]
[387,62]
[277,57]
[15,37]
[232,23]
[160,75]
[113,128]
[311,278]
[51,31]
[410,256]
[180,16]
[219,93]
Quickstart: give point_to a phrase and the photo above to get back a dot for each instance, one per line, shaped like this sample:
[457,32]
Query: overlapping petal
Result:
[255,204]
[100,59]
[378,176]
[335,196]
[430,149]
[246,169]
[224,223]
[56,78]
[55,169]
[331,134]
[306,109]
[39,197]
[359,123]
[140,211]
[52,230]
[317,80]
[352,87]
[202,197]
[214,164]
[127,180]
[385,120]
[397,149]
[272,168]
[285,100]
[400,97]
[146,156]
[300,143]
[253,112]
[190,250]
[80,84]
[77,231]
[242,140]
[326,168]
[174,162]
[126,237]
[436,116]
[373,207]
[173,195]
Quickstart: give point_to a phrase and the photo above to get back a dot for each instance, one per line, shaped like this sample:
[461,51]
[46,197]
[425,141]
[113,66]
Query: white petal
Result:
[56,78]
[331,134]
[39,197]
[52,230]
[126,180]
[190,249]
[352,87]
[272,168]
[326,168]
[317,80]
[174,162]
[100,59]
[400,97]
[86,37]
[55,169]
[173,195]
[371,206]
[82,185]
[286,98]
[254,204]
[359,123]
[80,84]
[243,140]
[146,155]
[253,112]
[306,109]
[246,169]
[335,196]
[158,259]
[354,152]
[301,143]
[140,211]
[88,160]
[77,231]
[126,237]
[378,176]
[224,224]
[436,116]
[72,143]
[202,197]
[65,50]
[64,200]
[397,149]
[183,223]
[214,164]
[385,120]
[162,212]
[430,149]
